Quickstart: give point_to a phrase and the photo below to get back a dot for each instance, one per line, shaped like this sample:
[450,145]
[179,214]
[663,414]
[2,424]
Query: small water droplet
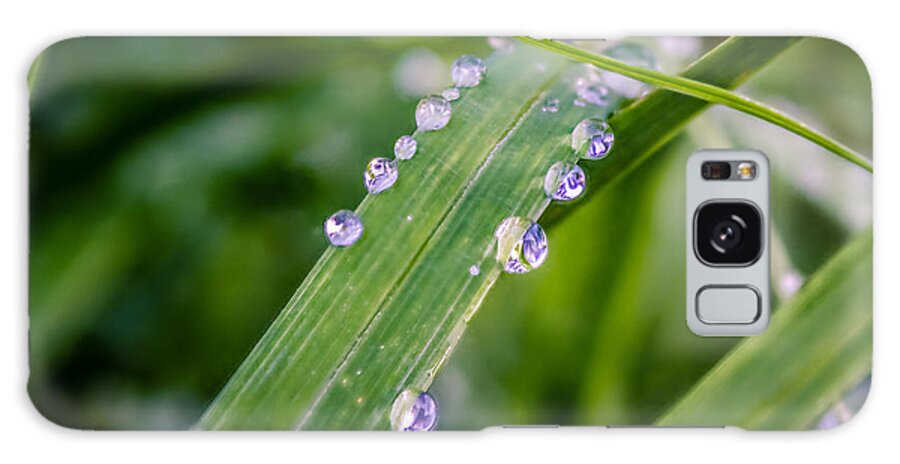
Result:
[591,90]
[380,347]
[592,138]
[381,173]
[521,245]
[501,44]
[343,228]
[579,103]
[344,381]
[564,182]
[359,372]
[359,400]
[405,147]
[414,411]
[474,270]
[451,93]
[432,113]
[550,105]
[467,71]
[409,218]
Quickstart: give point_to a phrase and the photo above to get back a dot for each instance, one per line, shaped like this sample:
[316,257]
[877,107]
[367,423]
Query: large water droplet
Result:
[564,182]
[521,245]
[592,138]
[550,105]
[467,71]
[381,173]
[343,228]
[405,147]
[432,113]
[451,93]
[414,411]
[634,54]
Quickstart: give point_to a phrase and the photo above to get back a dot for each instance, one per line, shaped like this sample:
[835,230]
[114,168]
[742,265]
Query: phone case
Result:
[435,233]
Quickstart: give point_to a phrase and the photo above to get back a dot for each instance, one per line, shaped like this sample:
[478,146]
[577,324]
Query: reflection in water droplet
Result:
[474,270]
[467,71]
[414,411]
[451,93]
[405,147]
[592,138]
[521,245]
[343,228]
[380,175]
[564,182]
[550,105]
[432,113]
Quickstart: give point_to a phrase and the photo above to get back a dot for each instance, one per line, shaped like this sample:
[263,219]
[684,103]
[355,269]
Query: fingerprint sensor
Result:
[728,304]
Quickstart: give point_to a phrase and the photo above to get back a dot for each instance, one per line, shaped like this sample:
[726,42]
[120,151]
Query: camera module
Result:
[728,233]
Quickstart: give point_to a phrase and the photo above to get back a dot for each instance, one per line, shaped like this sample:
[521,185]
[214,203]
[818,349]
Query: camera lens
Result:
[728,233]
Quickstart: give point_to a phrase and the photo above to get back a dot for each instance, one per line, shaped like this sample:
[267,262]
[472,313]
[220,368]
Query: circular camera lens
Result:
[726,235]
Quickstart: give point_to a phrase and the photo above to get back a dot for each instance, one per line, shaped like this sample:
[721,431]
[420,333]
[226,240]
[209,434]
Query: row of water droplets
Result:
[433,112]
[412,410]
[521,244]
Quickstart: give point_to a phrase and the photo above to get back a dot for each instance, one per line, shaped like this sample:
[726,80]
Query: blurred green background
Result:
[178,187]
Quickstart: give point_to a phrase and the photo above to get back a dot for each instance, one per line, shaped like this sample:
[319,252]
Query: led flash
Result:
[746,170]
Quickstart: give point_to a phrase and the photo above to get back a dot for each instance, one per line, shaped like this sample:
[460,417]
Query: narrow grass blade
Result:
[704,91]
[818,346]
[383,315]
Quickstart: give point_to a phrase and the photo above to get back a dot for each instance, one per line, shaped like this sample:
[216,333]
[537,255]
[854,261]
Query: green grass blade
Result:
[378,317]
[818,346]
[704,91]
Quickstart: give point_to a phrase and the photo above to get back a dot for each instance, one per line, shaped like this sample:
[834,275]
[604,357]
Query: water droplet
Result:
[381,173]
[579,103]
[359,372]
[380,347]
[409,218]
[501,44]
[414,411]
[359,400]
[474,270]
[564,182]
[432,113]
[592,138]
[550,105]
[634,54]
[591,90]
[405,147]
[451,93]
[467,71]
[521,245]
[343,228]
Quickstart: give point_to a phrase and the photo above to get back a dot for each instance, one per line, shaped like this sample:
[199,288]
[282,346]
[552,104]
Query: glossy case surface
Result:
[180,276]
